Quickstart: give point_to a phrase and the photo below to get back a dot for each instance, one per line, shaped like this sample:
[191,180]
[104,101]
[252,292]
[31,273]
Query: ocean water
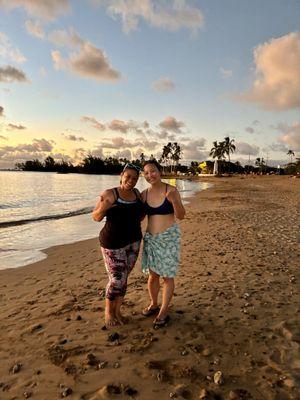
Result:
[39,210]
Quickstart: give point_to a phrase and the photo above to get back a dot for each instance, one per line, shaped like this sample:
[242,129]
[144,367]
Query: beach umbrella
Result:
[203,166]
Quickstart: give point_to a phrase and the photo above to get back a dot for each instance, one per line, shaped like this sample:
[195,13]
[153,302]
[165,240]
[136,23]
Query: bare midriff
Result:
[160,223]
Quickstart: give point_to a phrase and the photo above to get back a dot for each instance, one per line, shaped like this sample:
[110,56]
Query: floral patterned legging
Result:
[119,263]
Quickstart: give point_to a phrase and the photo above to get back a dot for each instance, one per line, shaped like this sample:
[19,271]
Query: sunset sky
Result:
[122,77]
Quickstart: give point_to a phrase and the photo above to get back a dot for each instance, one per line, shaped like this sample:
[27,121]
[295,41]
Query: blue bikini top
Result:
[164,209]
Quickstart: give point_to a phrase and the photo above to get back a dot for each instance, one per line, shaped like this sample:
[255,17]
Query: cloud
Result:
[120,152]
[163,85]
[95,124]
[226,73]
[15,154]
[39,148]
[58,62]
[13,127]
[74,138]
[47,10]
[194,150]
[164,135]
[3,137]
[7,50]
[35,29]
[146,138]
[149,145]
[280,147]
[171,15]
[98,152]
[43,72]
[63,38]
[118,125]
[43,144]
[1,111]
[61,156]
[88,62]
[115,143]
[246,149]
[290,135]
[79,154]
[11,74]
[249,129]
[277,83]
[172,124]
[119,142]
[126,153]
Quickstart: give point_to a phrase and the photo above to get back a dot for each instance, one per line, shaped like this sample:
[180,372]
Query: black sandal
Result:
[148,312]
[161,322]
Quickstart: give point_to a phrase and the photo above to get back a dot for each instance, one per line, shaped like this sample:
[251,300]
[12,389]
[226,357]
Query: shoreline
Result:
[53,249]
[31,256]
[235,309]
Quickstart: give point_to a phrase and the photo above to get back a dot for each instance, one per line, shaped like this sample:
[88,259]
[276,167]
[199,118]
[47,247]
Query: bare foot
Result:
[110,320]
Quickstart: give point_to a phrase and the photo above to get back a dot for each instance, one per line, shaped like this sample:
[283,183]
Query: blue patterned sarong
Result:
[161,252]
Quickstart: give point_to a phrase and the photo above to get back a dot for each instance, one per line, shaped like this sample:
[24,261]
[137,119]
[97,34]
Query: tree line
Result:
[170,157]
[171,154]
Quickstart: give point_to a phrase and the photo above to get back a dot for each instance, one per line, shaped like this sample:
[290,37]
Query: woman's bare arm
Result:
[174,197]
[105,202]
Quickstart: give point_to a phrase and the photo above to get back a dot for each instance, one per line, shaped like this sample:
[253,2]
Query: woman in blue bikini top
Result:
[162,240]
[162,201]
[165,208]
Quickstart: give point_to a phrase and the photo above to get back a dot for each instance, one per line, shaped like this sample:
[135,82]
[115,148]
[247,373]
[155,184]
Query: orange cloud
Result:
[169,15]
[277,83]
[89,62]
[172,124]
[48,10]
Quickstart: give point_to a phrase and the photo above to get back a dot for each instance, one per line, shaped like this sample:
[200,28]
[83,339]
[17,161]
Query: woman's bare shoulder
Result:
[108,194]
[171,188]
[144,194]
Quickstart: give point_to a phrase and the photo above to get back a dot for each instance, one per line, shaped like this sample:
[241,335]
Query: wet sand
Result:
[234,331]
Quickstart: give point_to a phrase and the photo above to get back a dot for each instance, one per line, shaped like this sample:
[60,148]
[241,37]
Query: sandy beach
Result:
[234,331]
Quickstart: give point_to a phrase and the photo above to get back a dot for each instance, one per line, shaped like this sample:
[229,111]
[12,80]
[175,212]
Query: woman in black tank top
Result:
[120,238]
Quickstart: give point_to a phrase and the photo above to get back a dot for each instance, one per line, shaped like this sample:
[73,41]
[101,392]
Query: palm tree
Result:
[171,153]
[214,151]
[175,153]
[228,146]
[165,157]
[291,154]
[217,151]
[260,162]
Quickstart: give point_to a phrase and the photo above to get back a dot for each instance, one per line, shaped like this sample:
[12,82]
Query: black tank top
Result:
[123,223]
[164,209]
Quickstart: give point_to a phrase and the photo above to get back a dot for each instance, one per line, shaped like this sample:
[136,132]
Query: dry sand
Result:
[236,310]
